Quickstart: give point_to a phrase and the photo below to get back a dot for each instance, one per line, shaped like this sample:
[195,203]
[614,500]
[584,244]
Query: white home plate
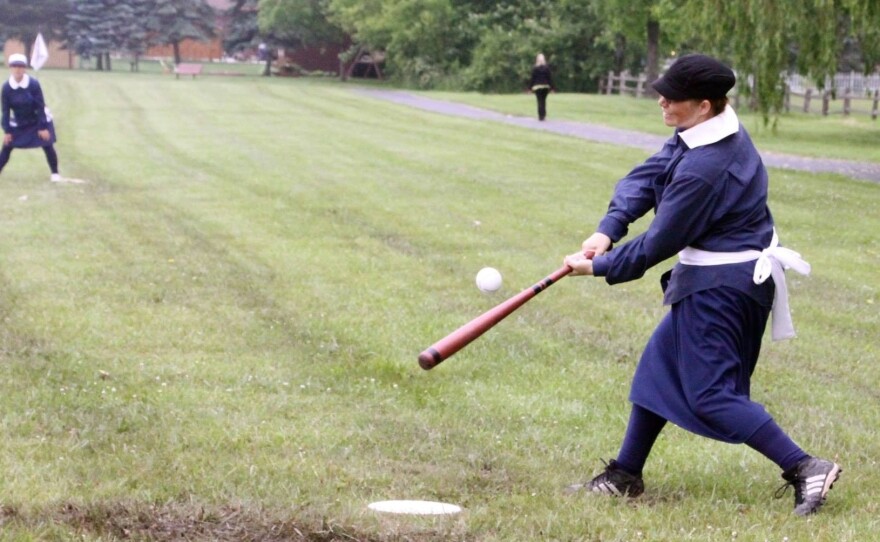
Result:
[424,508]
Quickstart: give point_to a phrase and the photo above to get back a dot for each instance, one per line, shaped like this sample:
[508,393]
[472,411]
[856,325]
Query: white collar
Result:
[712,130]
[25,81]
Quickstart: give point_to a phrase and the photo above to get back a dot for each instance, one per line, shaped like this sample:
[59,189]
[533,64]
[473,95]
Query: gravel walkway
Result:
[858,170]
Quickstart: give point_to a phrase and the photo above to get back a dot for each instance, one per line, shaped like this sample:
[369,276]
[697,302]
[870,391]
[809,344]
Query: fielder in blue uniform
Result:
[25,119]
[708,189]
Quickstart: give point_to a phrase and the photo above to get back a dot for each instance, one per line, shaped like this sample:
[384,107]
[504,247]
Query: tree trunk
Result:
[109,66]
[28,42]
[652,70]
[176,46]
[619,53]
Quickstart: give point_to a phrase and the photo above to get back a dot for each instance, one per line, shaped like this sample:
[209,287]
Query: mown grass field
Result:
[215,338]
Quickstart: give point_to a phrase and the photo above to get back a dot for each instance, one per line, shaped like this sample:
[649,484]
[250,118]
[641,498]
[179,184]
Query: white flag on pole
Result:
[40,54]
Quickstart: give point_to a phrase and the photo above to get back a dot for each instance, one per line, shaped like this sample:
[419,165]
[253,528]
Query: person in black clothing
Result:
[541,84]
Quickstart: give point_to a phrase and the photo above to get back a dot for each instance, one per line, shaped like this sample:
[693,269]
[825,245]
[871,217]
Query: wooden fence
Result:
[826,102]
[625,83]
[842,100]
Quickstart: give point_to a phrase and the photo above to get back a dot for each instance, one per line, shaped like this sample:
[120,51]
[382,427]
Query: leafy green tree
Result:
[574,39]
[483,45]
[298,23]
[421,47]
[172,21]
[418,36]
[635,29]
[363,20]
[766,39]
[24,20]
[567,32]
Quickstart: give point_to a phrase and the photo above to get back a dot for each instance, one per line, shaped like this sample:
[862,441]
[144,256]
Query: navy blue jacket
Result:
[712,197]
[27,106]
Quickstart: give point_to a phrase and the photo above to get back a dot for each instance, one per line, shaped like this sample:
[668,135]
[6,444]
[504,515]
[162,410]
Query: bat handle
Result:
[429,359]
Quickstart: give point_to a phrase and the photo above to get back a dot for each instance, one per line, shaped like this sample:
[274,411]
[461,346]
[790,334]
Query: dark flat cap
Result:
[696,77]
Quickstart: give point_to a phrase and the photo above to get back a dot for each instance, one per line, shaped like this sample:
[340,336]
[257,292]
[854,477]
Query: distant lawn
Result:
[856,137]
[215,338]
[148,66]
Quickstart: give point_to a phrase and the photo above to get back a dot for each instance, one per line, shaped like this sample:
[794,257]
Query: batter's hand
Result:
[580,263]
[596,244]
[44,134]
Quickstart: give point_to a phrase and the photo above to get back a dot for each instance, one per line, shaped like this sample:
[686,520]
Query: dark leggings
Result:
[541,94]
[51,157]
[642,431]
[644,427]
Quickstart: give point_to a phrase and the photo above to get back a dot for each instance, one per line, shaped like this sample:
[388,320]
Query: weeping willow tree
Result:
[634,27]
[766,39]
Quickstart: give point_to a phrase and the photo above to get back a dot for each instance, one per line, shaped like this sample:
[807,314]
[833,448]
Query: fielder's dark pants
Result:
[541,95]
[51,157]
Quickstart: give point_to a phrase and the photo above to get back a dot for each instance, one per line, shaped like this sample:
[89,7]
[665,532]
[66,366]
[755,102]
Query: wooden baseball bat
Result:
[461,337]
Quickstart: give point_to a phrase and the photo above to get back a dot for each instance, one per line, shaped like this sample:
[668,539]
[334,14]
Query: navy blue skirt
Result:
[696,369]
[26,137]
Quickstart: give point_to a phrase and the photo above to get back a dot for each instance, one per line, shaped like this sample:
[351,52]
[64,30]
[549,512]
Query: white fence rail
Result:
[845,93]
[857,83]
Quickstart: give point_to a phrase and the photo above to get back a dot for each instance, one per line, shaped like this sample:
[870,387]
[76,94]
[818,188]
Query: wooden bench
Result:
[187,69]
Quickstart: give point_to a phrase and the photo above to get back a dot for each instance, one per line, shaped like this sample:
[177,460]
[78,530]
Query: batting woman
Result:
[708,189]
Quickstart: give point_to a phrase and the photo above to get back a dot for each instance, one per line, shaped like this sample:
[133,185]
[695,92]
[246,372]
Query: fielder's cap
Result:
[696,77]
[17,59]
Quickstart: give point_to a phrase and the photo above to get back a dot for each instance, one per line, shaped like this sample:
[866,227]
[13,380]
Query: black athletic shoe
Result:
[812,478]
[613,481]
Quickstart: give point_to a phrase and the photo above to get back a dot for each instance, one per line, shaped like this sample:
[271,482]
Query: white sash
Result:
[772,261]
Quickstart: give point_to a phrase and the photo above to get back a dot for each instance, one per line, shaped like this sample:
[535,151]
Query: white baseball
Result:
[489,280]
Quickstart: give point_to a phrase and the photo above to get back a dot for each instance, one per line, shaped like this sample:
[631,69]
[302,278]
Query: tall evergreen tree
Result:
[132,36]
[24,20]
[89,30]
[172,21]
[243,31]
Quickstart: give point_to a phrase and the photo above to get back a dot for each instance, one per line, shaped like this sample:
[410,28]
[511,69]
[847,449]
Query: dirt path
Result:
[858,170]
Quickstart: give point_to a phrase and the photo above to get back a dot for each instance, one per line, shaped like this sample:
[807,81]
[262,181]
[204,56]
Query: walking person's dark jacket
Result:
[541,78]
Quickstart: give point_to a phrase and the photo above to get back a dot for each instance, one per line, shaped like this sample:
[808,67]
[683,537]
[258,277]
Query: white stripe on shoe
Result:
[815,484]
[608,489]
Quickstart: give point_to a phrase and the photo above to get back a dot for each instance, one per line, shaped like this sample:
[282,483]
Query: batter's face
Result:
[684,114]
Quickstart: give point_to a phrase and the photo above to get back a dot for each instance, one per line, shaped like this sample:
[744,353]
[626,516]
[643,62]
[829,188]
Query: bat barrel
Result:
[458,339]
